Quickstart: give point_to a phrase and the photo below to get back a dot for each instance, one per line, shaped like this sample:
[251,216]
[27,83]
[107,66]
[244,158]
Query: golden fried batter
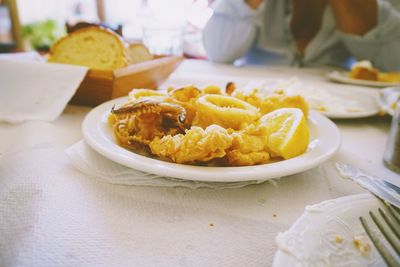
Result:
[139,94]
[273,102]
[196,145]
[185,94]
[226,111]
[212,89]
[185,97]
[143,120]
[249,146]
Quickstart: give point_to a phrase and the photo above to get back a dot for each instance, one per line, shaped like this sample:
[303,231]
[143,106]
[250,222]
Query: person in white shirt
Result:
[305,32]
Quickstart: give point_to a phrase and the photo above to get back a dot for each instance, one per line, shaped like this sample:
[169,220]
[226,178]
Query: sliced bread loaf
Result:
[137,52]
[94,47]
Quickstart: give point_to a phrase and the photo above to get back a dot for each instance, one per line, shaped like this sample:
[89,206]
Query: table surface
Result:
[53,215]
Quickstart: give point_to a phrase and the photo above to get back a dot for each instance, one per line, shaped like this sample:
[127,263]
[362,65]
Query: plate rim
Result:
[339,76]
[202,173]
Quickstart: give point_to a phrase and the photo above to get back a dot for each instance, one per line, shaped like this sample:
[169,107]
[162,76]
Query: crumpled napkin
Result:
[93,164]
[32,90]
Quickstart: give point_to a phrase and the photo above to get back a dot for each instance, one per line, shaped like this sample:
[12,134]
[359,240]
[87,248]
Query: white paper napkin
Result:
[23,56]
[36,90]
[93,164]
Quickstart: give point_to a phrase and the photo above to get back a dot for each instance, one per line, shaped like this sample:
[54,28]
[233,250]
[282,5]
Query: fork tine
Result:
[391,221]
[395,211]
[383,251]
[389,237]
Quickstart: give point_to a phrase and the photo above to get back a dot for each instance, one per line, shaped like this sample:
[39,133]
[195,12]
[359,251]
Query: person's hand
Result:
[253,3]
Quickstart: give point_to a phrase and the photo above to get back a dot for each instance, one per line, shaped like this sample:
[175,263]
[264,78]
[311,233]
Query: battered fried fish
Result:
[196,145]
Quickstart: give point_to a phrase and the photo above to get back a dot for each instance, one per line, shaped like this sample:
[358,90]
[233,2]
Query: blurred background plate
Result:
[342,77]
[347,104]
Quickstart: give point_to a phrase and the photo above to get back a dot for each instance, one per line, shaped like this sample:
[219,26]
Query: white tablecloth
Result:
[53,215]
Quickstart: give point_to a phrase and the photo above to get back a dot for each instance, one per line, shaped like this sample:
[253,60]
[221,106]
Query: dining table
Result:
[53,214]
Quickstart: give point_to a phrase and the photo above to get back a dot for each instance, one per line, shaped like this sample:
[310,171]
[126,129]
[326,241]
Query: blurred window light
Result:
[58,10]
[133,14]
[199,13]
[189,16]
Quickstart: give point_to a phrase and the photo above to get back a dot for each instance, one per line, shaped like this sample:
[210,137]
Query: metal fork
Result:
[388,223]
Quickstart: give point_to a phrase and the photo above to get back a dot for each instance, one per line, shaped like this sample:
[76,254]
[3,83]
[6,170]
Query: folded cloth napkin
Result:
[93,164]
[36,90]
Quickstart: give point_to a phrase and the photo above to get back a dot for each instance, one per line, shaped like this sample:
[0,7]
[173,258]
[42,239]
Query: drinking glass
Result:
[163,39]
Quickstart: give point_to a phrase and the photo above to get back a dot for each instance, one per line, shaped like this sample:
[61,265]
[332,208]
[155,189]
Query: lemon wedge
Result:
[288,133]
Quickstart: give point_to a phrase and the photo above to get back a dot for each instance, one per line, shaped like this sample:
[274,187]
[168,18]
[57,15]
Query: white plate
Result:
[315,238]
[343,77]
[343,104]
[387,99]
[324,142]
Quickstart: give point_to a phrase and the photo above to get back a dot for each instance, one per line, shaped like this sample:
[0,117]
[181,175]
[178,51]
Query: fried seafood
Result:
[226,111]
[212,127]
[139,94]
[249,146]
[230,88]
[185,94]
[185,97]
[269,103]
[238,158]
[142,121]
[196,145]
[212,89]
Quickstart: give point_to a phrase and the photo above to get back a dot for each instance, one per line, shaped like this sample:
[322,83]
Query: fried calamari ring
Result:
[185,97]
[138,94]
[185,94]
[269,103]
[212,89]
[226,111]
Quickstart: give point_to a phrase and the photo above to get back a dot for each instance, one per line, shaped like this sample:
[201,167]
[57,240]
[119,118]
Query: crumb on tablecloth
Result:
[339,239]
[362,245]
